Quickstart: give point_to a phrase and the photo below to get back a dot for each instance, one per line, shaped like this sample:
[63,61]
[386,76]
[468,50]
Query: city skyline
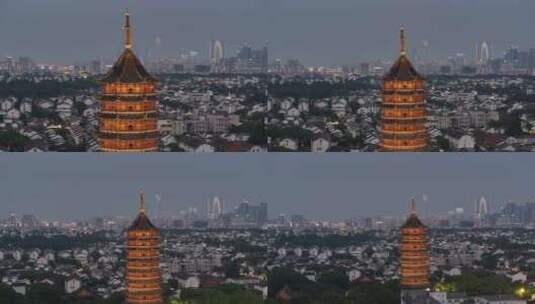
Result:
[448,28]
[320,187]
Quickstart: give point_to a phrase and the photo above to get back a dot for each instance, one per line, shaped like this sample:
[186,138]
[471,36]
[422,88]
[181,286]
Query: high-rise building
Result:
[483,55]
[403,114]
[251,215]
[128,109]
[215,209]
[142,260]
[414,261]
[531,61]
[217,52]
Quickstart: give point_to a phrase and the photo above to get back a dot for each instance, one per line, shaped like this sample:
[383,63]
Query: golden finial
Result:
[141,201]
[127,31]
[412,209]
[402,40]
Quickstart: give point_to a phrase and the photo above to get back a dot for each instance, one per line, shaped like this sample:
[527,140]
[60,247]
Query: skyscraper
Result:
[143,260]
[215,209]
[217,52]
[128,109]
[403,115]
[414,262]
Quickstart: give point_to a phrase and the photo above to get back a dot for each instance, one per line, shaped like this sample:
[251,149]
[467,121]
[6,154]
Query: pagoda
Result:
[143,260]
[402,125]
[414,261]
[128,109]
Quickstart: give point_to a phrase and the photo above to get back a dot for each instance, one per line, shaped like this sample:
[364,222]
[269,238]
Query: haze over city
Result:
[321,187]
[314,31]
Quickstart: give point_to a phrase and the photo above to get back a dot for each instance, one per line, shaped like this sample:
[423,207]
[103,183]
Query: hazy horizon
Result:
[315,31]
[327,186]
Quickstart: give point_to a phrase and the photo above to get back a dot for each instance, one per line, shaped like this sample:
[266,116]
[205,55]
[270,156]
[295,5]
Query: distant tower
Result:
[215,209]
[143,260]
[403,119]
[483,208]
[484,53]
[128,110]
[414,261]
[217,52]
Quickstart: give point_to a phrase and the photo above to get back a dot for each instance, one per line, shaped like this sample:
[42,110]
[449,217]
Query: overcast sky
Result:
[327,186]
[316,31]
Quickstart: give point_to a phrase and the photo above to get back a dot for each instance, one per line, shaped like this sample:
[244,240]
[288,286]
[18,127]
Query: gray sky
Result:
[326,186]
[316,31]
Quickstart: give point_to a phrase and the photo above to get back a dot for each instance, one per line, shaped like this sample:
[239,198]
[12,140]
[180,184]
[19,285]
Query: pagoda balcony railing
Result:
[402,117]
[128,127]
[403,130]
[410,121]
[150,296]
[143,253]
[154,149]
[403,147]
[138,264]
[412,255]
[415,264]
[129,115]
[142,257]
[143,270]
[152,249]
[141,110]
[403,98]
[388,104]
[408,272]
[136,235]
[129,144]
[141,279]
[145,242]
[403,91]
[152,134]
[404,139]
[142,288]
[155,246]
[127,97]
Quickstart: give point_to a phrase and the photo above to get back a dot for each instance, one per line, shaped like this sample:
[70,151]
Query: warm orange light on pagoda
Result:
[403,114]
[128,110]
[414,263]
[142,261]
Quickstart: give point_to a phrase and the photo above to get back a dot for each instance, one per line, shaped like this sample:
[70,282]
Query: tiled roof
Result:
[128,69]
[403,70]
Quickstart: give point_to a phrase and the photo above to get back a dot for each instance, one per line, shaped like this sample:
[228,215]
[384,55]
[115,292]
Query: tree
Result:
[337,278]
[374,293]
[13,141]
[283,277]
[489,261]
[9,296]
[44,294]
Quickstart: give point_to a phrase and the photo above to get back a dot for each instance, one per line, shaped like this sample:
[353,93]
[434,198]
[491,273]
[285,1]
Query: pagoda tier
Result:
[128,109]
[142,261]
[403,112]
[414,261]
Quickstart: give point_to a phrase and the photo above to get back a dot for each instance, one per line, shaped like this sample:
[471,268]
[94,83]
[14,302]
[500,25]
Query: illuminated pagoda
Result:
[142,260]
[403,119]
[128,110]
[414,261]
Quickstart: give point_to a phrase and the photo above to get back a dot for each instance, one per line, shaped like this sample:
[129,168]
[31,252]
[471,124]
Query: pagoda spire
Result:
[141,201]
[127,31]
[402,50]
[412,207]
